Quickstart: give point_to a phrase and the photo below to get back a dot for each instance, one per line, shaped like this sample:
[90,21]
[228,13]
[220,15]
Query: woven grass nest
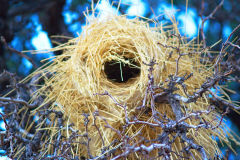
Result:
[110,55]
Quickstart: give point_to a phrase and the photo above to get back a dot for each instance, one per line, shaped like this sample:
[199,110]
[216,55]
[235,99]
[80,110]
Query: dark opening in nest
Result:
[121,72]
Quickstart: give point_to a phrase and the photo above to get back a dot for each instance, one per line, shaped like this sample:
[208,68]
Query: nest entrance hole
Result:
[118,71]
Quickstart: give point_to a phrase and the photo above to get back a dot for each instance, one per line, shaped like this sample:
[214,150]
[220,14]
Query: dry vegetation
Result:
[159,104]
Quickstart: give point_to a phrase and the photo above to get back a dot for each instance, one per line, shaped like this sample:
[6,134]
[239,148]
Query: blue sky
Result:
[137,8]
[40,40]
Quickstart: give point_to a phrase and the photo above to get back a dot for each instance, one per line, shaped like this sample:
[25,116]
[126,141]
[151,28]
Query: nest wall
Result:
[109,55]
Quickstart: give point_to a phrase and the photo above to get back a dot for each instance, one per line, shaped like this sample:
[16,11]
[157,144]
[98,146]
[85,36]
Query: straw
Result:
[93,62]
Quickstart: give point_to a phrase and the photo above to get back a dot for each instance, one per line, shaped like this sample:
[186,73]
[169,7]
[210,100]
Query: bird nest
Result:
[103,81]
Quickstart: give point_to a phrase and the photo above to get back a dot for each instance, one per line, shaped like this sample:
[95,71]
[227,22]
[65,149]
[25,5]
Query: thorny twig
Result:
[170,126]
[174,101]
[163,144]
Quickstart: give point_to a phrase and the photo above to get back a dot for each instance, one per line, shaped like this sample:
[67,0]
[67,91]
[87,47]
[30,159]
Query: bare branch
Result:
[221,54]
[18,52]
[13,100]
[210,16]
[234,45]
[142,148]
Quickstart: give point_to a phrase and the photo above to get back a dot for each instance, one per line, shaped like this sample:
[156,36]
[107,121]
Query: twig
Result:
[5,121]
[194,146]
[234,45]
[18,52]
[13,100]
[166,46]
[221,54]
[95,114]
[210,16]
[142,148]
[86,121]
